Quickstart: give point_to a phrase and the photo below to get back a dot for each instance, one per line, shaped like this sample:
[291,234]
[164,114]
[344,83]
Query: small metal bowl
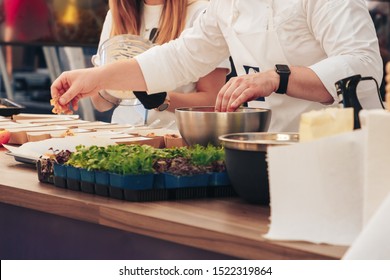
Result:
[203,125]
[246,165]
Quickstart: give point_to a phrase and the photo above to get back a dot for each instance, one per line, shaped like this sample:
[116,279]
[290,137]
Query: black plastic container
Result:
[60,175]
[221,191]
[145,195]
[145,188]
[220,185]
[219,179]
[45,174]
[73,178]
[87,181]
[131,187]
[116,192]
[191,192]
[184,187]
[102,182]
[197,180]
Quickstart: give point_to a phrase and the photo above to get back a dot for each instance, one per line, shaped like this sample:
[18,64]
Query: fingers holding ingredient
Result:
[58,108]
[70,87]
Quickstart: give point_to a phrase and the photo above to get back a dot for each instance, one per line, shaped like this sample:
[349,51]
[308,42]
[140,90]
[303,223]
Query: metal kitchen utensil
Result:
[347,89]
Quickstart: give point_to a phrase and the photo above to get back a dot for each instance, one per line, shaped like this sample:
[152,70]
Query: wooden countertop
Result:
[225,225]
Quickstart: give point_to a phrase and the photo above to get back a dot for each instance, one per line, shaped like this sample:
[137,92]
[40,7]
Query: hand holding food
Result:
[58,108]
[71,86]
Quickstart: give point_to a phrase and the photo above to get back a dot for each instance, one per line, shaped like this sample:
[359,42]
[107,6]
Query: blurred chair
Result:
[69,58]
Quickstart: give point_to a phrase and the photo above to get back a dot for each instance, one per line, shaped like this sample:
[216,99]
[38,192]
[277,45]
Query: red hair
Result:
[126,15]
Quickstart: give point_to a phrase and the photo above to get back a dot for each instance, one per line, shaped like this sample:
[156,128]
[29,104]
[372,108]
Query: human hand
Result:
[239,90]
[71,86]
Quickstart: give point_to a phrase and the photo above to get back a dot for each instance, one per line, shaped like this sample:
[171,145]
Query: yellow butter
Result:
[326,122]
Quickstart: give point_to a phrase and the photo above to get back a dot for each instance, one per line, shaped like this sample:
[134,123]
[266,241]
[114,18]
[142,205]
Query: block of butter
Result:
[326,122]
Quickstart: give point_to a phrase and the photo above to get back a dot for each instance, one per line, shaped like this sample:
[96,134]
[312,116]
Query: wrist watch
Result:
[284,73]
[164,105]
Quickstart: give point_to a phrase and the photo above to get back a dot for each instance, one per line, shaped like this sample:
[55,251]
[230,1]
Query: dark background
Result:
[78,23]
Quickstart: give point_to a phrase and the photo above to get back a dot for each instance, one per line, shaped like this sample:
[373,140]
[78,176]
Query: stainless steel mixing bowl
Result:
[246,165]
[202,125]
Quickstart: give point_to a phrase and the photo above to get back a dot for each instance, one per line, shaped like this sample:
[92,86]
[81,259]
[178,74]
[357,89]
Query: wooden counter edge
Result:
[162,229]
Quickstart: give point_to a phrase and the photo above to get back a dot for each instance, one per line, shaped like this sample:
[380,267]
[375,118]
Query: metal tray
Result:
[11,108]
[23,159]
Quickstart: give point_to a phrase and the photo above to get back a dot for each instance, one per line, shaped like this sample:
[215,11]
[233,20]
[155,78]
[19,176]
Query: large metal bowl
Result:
[202,125]
[246,165]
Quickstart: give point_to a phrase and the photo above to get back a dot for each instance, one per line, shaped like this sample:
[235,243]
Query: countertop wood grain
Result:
[224,225]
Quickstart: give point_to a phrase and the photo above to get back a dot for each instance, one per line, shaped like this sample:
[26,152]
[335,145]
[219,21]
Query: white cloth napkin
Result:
[316,189]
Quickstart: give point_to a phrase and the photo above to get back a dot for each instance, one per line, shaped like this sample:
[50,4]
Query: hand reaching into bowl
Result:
[241,89]
[302,83]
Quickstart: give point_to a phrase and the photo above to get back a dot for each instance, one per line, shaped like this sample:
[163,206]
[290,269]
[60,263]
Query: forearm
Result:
[207,89]
[190,99]
[122,75]
[305,84]
[81,83]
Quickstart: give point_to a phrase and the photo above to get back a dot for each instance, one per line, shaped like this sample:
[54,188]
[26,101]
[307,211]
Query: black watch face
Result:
[281,68]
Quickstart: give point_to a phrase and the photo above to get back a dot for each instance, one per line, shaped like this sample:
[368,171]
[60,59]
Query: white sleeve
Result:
[104,35]
[198,51]
[347,34]
[194,12]
[194,9]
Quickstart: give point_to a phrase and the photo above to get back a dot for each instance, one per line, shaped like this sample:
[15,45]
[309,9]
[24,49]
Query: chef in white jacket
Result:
[288,56]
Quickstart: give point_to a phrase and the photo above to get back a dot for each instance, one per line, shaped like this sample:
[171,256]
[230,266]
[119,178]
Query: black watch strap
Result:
[284,73]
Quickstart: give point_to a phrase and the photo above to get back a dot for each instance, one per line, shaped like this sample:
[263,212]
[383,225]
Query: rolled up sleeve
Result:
[347,34]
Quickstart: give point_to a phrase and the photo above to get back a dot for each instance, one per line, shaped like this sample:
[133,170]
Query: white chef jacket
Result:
[335,38]
[135,114]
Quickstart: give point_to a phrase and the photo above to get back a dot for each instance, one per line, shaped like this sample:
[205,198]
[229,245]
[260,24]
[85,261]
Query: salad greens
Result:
[121,159]
[191,160]
[143,159]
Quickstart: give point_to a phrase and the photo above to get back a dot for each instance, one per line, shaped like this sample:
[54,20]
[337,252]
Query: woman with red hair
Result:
[159,21]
